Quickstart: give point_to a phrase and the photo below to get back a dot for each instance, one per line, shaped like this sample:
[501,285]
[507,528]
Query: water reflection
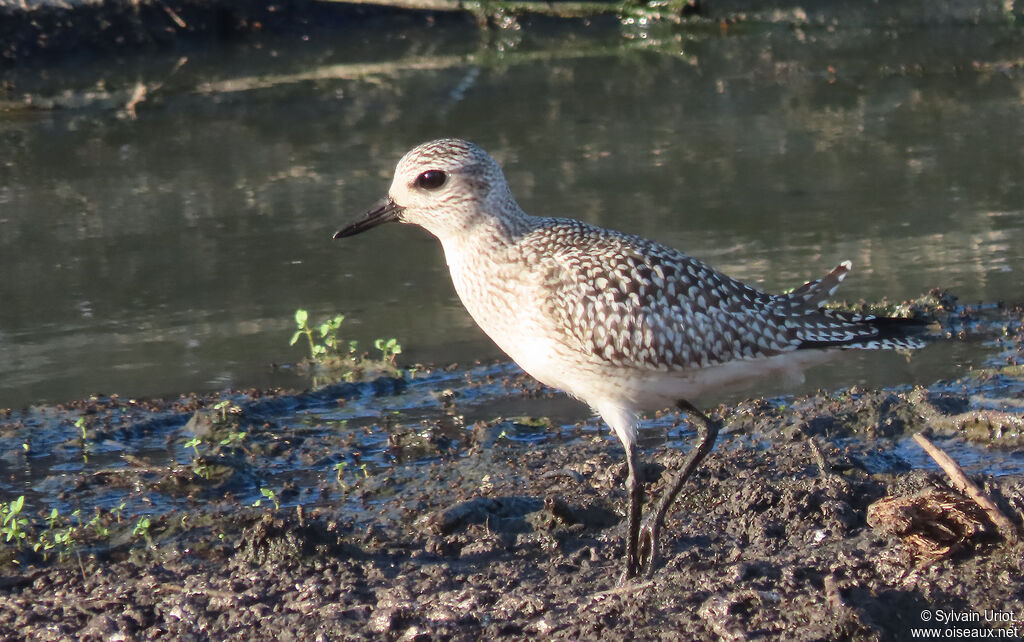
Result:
[167,252]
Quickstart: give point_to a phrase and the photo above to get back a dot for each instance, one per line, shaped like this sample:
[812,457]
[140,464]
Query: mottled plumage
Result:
[620,322]
[635,303]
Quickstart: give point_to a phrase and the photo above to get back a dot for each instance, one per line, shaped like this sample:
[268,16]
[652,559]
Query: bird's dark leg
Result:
[636,500]
[647,542]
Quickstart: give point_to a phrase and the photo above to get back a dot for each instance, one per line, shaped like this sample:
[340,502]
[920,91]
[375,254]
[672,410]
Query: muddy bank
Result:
[764,546]
[779,537]
[51,31]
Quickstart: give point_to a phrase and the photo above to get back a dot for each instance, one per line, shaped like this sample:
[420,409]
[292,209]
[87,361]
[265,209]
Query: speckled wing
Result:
[631,302]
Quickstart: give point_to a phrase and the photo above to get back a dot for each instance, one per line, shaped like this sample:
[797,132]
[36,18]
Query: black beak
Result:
[384,211]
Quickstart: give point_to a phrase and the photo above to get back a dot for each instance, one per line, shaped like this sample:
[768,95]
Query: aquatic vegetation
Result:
[27,541]
[234,438]
[389,348]
[59,534]
[328,330]
[339,472]
[13,523]
[333,358]
[224,408]
[141,529]
[194,444]
[268,494]
[83,426]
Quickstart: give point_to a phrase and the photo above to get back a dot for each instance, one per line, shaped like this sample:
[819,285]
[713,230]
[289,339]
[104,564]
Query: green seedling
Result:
[234,438]
[142,528]
[98,527]
[57,533]
[194,444]
[199,467]
[268,494]
[116,512]
[320,352]
[67,540]
[46,541]
[83,427]
[224,408]
[339,472]
[389,349]
[317,352]
[271,495]
[13,523]
[331,356]
[329,333]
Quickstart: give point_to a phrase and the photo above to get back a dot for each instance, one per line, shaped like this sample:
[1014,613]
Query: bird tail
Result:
[868,332]
[820,328]
[814,294]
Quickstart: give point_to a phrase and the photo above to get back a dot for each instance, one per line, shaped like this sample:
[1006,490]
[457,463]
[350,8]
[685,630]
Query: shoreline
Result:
[51,31]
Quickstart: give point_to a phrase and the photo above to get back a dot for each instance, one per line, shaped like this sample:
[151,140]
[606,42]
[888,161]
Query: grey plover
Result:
[620,322]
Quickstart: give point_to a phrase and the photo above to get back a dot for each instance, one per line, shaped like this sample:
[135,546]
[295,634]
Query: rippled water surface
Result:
[168,251]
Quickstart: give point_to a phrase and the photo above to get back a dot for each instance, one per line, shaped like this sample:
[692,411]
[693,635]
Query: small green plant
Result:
[98,525]
[83,426]
[234,438]
[193,444]
[47,540]
[339,473]
[271,495]
[116,512]
[330,355]
[389,349]
[268,494]
[328,333]
[67,541]
[199,464]
[224,408]
[57,533]
[203,470]
[13,523]
[65,537]
[142,528]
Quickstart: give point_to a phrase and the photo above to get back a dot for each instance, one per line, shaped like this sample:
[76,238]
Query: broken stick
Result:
[966,486]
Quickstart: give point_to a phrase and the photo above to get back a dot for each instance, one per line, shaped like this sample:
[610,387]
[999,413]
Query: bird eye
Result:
[431,179]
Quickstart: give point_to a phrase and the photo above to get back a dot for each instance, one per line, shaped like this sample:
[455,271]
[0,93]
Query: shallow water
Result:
[167,252]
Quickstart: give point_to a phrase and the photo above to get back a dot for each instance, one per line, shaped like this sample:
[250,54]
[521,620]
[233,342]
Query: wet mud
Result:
[771,540]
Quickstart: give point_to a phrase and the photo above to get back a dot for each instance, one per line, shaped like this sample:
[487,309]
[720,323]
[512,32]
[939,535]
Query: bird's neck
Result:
[487,234]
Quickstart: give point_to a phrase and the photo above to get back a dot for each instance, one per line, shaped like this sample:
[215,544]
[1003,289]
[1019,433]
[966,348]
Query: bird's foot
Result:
[647,546]
[642,565]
